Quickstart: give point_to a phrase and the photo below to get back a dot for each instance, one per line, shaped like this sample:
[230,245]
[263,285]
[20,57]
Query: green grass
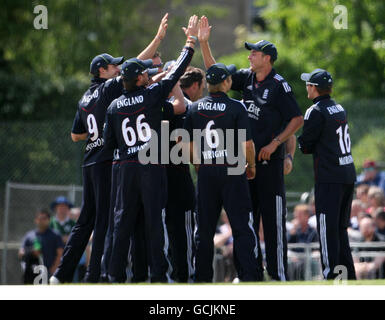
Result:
[265,283]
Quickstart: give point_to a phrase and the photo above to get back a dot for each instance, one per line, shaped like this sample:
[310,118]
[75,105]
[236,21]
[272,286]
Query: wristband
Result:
[289,156]
[277,139]
[193,37]
[253,166]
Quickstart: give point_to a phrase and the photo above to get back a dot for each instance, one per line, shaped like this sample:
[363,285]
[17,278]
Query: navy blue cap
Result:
[152,71]
[318,77]
[218,72]
[131,68]
[264,46]
[61,200]
[103,60]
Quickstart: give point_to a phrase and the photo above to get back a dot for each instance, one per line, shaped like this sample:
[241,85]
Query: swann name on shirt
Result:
[129,101]
[335,109]
[212,106]
[87,98]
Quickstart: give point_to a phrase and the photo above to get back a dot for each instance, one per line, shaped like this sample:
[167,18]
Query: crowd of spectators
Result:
[44,245]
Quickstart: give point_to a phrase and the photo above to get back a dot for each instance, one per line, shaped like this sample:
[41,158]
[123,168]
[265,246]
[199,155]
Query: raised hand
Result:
[193,27]
[162,27]
[204,29]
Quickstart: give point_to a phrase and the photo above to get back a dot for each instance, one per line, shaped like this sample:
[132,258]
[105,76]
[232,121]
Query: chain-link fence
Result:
[304,261]
[22,201]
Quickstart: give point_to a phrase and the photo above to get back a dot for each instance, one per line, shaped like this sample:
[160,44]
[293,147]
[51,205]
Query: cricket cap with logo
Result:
[103,60]
[264,46]
[218,72]
[61,200]
[318,77]
[131,68]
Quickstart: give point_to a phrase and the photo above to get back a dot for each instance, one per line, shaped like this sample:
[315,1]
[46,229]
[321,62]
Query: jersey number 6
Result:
[212,136]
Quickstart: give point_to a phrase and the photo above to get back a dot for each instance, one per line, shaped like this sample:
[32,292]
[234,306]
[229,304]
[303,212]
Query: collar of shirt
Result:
[319,98]
[271,75]
[62,223]
[218,94]
[98,80]
[125,92]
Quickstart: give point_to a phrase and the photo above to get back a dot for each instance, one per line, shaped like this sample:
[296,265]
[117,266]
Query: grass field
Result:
[377,282]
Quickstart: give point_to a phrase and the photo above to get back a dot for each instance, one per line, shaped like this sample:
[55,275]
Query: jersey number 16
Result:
[344,139]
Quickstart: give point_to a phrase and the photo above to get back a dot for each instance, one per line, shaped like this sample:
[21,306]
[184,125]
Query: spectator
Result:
[362,193]
[380,224]
[81,269]
[302,232]
[368,267]
[357,207]
[223,242]
[371,175]
[62,222]
[40,246]
[376,200]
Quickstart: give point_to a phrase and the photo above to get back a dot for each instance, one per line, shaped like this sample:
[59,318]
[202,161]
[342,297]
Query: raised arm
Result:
[178,103]
[168,82]
[149,52]
[203,36]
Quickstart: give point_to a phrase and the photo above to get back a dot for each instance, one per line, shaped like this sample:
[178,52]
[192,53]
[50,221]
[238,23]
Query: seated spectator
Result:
[369,267]
[302,232]
[376,200]
[362,194]
[223,242]
[62,222]
[41,246]
[84,260]
[357,207]
[380,224]
[371,175]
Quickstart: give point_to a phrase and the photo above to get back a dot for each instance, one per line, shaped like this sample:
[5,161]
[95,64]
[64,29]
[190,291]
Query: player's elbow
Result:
[298,122]
[179,107]
[78,137]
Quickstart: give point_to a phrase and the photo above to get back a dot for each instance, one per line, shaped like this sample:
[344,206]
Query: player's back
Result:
[134,115]
[91,113]
[333,159]
[220,120]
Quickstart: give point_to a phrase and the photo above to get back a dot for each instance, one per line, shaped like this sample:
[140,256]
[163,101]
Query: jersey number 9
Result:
[92,127]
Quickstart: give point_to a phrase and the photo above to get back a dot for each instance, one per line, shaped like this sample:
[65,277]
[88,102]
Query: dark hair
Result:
[43,211]
[130,85]
[271,59]
[324,91]
[156,54]
[191,75]
[381,215]
[97,73]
